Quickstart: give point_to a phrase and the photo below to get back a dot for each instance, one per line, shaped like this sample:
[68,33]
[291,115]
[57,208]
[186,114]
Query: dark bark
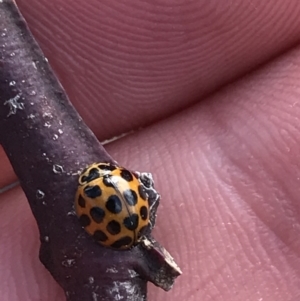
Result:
[48,144]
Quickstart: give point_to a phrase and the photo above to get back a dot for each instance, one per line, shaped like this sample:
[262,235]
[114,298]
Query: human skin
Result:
[215,86]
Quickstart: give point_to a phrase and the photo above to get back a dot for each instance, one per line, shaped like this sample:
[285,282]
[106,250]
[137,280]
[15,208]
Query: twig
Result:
[48,144]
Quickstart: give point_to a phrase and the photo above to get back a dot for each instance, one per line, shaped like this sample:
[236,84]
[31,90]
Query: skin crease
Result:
[226,165]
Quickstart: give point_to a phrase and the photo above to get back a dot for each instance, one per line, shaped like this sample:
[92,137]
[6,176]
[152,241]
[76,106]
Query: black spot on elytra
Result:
[113,227]
[144,212]
[83,179]
[107,167]
[97,214]
[142,192]
[100,235]
[130,197]
[107,181]
[122,242]
[131,222]
[114,204]
[81,201]
[84,220]
[93,174]
[126,175]
[92,191]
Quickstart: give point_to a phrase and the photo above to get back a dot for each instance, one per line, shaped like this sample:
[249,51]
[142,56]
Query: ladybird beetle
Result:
[112,205]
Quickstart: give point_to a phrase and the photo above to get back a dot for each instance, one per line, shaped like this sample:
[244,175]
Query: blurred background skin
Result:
[211,90]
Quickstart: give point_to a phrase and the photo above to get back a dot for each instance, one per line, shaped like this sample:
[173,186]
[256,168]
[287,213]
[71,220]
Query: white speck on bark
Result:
[133,273]
[95,296]
[47,114]
[40,194]
[68,263]
[111,270]
[57,168]
[127,286]
[14,104]
[131,291]
[47,124]
[31,116]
